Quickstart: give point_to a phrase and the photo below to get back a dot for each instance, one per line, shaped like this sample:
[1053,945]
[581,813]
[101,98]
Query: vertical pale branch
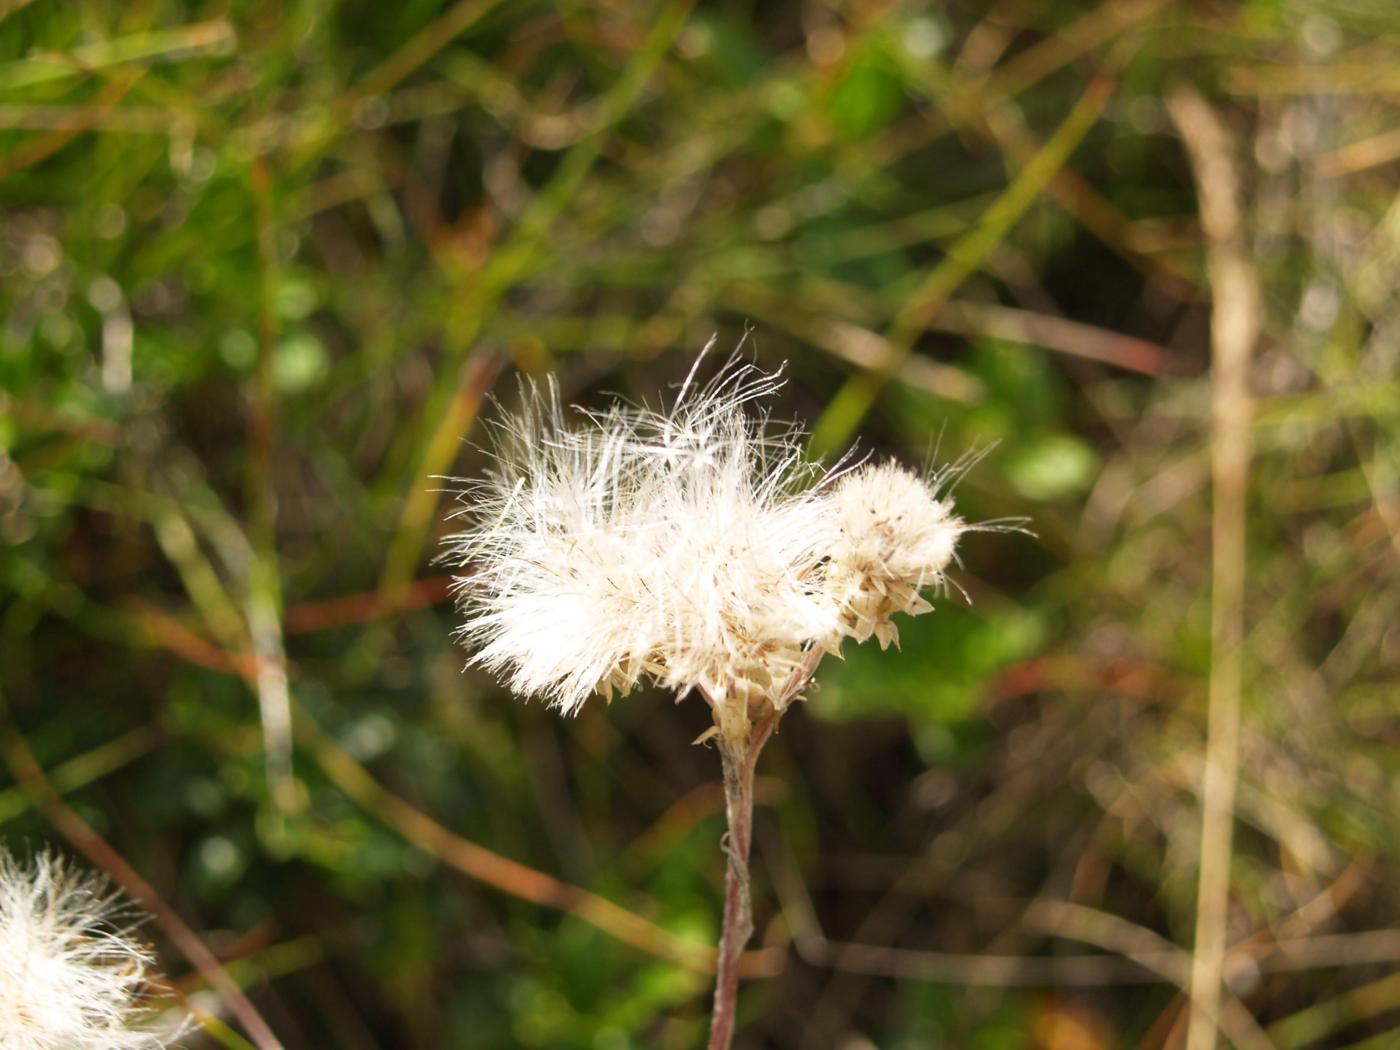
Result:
[1235,322]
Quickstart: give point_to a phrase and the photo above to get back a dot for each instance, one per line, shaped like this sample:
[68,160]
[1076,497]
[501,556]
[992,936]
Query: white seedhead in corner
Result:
[696,549]
[73,975]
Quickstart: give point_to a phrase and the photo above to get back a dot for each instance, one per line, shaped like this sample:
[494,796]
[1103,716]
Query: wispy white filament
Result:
[72,974]
[695,547]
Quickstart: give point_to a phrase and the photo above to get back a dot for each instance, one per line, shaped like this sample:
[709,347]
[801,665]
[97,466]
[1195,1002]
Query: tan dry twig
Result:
[1235,325]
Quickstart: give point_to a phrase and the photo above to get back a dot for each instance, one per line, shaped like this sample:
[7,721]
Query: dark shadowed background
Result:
[260,262]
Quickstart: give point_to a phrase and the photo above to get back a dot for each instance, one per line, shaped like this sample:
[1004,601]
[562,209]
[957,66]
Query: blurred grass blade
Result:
[216,35]
[843,417]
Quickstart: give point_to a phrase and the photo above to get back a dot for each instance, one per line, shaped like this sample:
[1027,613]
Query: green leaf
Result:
[1056,466]
[868,96]
[936,679]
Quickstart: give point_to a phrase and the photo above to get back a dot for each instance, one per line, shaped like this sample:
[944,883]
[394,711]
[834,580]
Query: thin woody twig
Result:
[739,759]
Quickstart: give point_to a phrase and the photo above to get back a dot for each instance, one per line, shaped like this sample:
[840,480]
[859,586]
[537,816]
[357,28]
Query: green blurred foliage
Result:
[349,220]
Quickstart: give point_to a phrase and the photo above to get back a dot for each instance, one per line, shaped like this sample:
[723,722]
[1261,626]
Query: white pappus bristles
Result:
[72,974]
[696,548]
[894,538]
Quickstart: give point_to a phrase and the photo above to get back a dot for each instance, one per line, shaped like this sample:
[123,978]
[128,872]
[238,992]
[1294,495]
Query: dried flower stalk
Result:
[696,549]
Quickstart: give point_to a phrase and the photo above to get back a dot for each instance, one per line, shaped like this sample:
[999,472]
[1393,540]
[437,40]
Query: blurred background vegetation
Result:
[261,261]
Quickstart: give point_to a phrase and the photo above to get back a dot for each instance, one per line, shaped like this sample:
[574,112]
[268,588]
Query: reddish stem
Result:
[738,903]
[739,758]
[739,762]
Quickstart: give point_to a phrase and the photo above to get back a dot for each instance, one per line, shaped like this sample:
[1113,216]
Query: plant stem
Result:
[738,762]
[738,753]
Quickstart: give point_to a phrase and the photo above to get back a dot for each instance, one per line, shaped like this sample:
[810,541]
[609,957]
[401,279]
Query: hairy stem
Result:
[738,761]
[738,752]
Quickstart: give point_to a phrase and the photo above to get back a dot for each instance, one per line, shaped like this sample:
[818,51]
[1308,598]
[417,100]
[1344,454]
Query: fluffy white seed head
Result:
[677,545]
[894,538]
[694,547]
[556,542]
[73,976]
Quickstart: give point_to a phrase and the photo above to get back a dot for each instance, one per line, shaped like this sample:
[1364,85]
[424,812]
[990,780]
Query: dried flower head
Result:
[894,538]
[695,547]
[72,974]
